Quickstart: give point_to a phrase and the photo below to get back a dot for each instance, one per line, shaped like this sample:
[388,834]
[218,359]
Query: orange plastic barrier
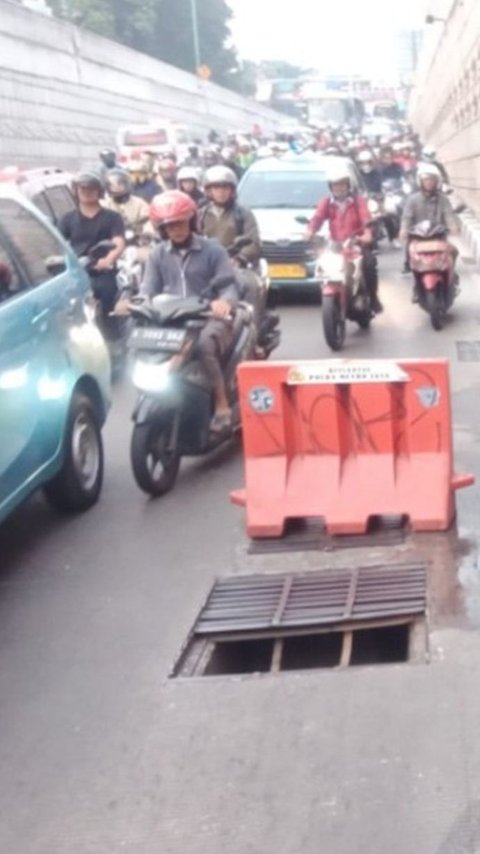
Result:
[347,440]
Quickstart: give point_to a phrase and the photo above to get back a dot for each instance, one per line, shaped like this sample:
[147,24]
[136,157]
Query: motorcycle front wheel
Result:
[334,324]
[435,306]
[155,467]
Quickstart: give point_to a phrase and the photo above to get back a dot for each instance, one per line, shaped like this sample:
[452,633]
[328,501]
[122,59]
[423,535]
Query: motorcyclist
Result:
[188,182]
[86,226]
[193,158]
[184,264]
[141,176]
[108,160]
[429,155]
[246,154]
[133,209]
[224,219]
[371,175]
[167,173]
[347,213]
[427,204]
[391,171]
[406,157]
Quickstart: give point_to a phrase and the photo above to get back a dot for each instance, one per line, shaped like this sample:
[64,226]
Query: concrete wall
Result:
[445,106]
[65,91]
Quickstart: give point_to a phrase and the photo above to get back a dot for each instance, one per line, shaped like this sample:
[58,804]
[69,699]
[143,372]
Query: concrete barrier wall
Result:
[445,106]
[64,92]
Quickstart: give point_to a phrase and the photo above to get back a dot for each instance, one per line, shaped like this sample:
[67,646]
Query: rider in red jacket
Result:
[348,216]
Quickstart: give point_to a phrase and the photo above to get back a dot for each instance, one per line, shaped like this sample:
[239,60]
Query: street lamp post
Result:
[196,40]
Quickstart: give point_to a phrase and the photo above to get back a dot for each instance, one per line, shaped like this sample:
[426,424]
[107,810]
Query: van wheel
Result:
[77,486]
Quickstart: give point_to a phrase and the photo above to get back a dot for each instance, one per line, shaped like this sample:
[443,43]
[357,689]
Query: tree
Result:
[164,29]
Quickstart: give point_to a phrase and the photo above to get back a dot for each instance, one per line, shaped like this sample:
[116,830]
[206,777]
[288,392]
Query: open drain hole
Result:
[359,646]
[327,619]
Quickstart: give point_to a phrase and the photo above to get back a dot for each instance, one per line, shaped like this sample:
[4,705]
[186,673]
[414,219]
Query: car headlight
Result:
[151,377]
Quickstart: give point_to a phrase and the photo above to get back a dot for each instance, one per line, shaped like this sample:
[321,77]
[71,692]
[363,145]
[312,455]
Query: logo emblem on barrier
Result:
[429,396]
[261,399]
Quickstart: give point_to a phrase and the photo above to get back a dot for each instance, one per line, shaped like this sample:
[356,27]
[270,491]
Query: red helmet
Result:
[172,206]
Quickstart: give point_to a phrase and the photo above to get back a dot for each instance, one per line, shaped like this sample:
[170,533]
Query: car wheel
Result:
[77,486]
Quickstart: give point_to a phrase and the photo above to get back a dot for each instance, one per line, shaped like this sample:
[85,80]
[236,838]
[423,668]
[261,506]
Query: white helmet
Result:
[338,172]
[365,157]
[428,170]
[220,175]
[428,152]
[187,173]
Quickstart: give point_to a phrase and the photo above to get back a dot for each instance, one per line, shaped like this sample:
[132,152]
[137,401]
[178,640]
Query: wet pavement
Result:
[100,752]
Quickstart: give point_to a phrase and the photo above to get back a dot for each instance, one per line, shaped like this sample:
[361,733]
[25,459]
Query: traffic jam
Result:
[237,484]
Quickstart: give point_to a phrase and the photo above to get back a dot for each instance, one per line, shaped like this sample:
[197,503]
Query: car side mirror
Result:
[55,265]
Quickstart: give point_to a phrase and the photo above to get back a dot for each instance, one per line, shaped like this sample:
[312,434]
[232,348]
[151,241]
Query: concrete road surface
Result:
[100,753]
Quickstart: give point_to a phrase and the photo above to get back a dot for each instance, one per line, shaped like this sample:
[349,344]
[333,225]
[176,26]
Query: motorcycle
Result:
[174,409]
[393,201]
[345,295]
[254,285]
[130,264]
[432,263]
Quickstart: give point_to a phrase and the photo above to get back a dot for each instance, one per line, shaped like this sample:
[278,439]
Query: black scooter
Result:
[175,405]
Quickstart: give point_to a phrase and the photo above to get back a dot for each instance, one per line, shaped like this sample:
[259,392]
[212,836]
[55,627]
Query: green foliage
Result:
[164,29]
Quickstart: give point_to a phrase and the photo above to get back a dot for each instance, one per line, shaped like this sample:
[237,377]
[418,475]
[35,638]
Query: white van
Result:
[154,136]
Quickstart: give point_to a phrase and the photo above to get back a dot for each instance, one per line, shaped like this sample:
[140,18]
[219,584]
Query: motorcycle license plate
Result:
[287,271]
[150,338]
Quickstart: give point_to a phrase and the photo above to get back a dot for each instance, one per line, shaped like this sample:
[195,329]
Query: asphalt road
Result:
[100,752]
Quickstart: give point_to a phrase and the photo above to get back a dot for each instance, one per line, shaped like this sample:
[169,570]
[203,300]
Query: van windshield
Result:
[294,190]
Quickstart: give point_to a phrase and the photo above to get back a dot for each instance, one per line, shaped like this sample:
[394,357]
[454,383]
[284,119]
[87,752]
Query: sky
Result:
[335,36]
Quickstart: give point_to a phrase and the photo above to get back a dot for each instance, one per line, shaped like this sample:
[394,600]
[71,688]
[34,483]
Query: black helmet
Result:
[108,157]
[118,184]
[88,178]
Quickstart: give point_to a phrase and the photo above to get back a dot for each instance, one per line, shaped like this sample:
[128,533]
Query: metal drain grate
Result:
[264,602]
[468,351]
[333,618]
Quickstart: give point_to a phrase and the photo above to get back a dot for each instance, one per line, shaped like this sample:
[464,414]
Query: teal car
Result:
[54,366]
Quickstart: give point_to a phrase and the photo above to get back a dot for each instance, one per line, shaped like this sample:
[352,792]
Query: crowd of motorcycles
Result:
[174,405]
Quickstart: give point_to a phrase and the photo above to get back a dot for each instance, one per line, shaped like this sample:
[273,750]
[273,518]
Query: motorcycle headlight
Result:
[332,265]
[151,377]
[373,207]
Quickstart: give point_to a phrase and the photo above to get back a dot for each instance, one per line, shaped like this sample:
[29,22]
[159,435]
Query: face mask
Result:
[120,198]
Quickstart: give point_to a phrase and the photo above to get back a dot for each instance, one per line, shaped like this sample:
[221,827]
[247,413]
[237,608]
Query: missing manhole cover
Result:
[333,618]
[468,351]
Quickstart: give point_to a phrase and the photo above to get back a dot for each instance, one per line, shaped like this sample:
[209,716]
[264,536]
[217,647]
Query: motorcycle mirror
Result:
[302,220]
[460,209]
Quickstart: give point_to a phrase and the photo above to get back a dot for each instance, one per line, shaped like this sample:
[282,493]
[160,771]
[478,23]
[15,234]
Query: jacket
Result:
[232,222]
[346,220]
[134,212]
[435,207]
[170,271]
[373,182]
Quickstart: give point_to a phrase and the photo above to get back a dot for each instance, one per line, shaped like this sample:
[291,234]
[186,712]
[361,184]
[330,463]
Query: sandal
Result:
[221,422]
